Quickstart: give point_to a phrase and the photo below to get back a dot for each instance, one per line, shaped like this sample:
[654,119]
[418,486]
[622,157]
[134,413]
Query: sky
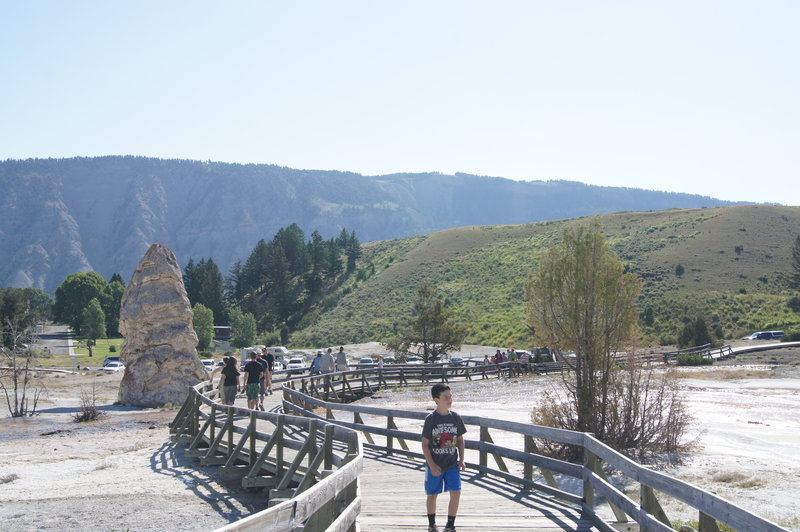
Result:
[683,96]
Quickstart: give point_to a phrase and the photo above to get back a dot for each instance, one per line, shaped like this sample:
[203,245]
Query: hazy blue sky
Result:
[696,96]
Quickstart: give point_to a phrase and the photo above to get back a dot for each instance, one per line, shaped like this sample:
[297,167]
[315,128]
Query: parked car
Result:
[111,359]
[414,360]
[764,335]
[208,363]
[296,365]
[457,361]
[113,367]
[366,362]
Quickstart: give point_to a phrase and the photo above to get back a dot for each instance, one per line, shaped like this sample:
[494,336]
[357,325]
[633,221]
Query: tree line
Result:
[278,284]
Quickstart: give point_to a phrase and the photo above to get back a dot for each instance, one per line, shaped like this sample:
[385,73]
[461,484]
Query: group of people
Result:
[327,363]
[510,355]
[442,432]
[258,383]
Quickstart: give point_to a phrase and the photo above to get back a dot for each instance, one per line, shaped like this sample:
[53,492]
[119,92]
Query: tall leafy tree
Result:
[243,328]
[93,323]
[118,278]
[203,323]
[20,310]
[74,294]
[581,300]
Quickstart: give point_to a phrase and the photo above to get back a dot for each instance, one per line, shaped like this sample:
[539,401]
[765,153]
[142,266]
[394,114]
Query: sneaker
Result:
[449,529]
[433,529]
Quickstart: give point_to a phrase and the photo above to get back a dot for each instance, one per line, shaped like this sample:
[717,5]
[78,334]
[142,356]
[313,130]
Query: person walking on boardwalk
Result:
[326,364]
[341,360]
[253,370]
[262,382]
[230,380]
[443,448]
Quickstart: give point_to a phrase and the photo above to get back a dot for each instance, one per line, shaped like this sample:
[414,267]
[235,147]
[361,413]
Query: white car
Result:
[296,365]
[113,366]
[208,363]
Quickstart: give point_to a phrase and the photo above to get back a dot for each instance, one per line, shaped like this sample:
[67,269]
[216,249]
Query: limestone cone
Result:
[159,351]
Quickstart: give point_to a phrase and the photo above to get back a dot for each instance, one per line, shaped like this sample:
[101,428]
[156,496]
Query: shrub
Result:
[679,270]
[88,410]
[693,359]
[112,348]
[794,304]
[791,336]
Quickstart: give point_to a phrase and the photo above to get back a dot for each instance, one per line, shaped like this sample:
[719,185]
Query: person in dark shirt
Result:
[254,369]
[443,448]
[230,380]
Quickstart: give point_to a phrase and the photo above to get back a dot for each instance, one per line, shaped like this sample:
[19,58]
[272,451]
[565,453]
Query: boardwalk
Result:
[393,501]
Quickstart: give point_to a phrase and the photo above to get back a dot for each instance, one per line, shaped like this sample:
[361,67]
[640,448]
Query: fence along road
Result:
[504,495]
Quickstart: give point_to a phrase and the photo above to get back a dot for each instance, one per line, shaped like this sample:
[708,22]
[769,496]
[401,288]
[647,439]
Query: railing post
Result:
[389,438]
[589,466]
[328,446]
[484,461]
[530,447]
[252,457]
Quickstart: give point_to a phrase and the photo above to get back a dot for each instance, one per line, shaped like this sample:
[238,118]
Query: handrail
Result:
[647,511]
[321,495]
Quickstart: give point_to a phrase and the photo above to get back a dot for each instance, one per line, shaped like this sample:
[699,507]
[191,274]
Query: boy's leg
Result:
[430,507]
[452,508]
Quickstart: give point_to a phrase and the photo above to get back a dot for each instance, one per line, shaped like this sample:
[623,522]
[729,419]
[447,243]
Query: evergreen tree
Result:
[112,302]
[118,278]
[433,330]
[353,251]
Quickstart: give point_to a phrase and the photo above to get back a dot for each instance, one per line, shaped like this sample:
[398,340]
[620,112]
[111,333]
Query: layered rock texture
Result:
[160,343]
[60,216]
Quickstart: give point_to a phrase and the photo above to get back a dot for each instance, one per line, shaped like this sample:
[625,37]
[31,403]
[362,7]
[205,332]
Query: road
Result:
[57,340]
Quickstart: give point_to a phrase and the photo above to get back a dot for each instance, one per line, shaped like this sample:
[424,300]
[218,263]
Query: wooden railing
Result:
[310,467]
[515,462]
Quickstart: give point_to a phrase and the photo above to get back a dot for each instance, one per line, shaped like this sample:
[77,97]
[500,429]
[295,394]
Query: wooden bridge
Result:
[341,466]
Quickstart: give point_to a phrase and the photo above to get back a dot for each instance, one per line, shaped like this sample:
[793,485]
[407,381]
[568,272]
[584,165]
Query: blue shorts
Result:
[449,480]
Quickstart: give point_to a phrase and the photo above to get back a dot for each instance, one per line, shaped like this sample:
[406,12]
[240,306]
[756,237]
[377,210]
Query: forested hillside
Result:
[61,216]
[727,265]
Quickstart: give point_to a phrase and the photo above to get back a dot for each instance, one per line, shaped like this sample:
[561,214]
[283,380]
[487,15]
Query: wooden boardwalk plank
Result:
[393,500]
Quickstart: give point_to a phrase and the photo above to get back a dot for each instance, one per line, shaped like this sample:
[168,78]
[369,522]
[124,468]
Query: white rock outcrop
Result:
[159,351]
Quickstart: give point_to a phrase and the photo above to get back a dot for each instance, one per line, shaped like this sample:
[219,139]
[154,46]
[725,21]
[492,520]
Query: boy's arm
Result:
[460,444]
[426,451]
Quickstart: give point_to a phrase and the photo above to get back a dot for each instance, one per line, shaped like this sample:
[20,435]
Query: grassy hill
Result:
[733,260]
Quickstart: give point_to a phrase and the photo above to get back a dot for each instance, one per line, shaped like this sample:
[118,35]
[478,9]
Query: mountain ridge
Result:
[102,213]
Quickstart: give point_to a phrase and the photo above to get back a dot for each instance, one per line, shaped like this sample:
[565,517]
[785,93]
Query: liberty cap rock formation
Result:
[160,343]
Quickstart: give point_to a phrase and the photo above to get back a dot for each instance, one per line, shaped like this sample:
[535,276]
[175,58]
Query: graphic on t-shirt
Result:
[443,439]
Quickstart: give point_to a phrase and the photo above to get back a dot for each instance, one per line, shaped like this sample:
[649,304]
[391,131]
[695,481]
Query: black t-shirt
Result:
[264,363]
[442,432]
[271,361]
[230,373]
[253,370]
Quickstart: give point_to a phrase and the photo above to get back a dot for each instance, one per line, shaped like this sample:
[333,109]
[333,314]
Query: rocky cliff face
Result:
[60,216]
[156,320]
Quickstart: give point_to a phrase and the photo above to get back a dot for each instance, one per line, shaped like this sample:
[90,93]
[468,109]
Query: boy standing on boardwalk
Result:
[443,447]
